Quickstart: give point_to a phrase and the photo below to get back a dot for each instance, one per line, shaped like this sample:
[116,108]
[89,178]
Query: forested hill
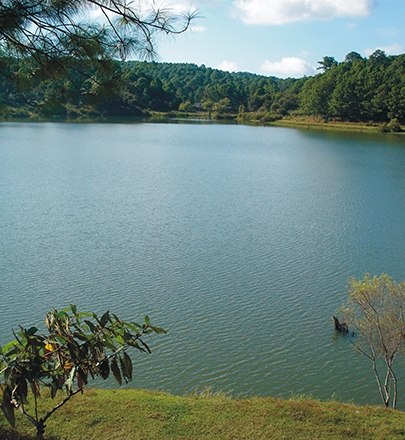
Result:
[188,86]
[137,87]
[357,89]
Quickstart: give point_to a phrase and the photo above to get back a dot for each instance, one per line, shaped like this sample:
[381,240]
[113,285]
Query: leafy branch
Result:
[77,347]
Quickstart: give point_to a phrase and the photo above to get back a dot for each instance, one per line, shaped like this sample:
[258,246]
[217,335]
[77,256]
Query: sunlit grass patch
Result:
[139,414]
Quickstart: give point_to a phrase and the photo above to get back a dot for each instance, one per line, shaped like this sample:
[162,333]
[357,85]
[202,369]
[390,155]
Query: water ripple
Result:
[238,240]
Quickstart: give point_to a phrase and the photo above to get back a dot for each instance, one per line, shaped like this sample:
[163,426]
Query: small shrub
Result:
[394,125]
[383,128]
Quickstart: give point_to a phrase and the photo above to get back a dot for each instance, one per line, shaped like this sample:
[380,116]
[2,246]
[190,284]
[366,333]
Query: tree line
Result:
[134,88]
[357,89]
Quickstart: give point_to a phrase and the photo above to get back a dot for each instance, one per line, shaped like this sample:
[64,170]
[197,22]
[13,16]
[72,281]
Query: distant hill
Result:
[358,89]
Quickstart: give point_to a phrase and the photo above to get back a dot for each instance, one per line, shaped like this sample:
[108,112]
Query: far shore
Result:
[320,124]
[299,122]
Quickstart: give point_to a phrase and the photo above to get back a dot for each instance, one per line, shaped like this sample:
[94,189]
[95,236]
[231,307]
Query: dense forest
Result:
[358,89]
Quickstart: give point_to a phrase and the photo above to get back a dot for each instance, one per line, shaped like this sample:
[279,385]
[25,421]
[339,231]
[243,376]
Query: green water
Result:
[238,240]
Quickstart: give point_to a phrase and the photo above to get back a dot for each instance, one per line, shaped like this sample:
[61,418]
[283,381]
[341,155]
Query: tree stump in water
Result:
[340,327]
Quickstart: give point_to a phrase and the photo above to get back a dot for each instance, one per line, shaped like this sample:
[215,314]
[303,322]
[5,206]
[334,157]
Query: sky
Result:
[283,38]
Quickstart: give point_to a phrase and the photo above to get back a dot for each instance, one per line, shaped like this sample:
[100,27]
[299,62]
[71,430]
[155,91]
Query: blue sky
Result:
[284,37]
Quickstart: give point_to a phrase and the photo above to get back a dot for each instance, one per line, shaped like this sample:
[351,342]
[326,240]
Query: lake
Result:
[239,240]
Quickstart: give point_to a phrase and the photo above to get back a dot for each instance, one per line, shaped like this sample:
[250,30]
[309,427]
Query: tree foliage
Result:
[327,63]
[369,90]
[375,315]
[139,87]
[357,89]
[52,38]
[77,347]
[56,29]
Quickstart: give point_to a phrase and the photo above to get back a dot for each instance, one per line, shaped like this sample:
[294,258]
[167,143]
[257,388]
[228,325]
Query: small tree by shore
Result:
[375,315]
[78,346]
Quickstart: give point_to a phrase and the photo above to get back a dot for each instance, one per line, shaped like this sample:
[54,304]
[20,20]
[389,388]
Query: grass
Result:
[308,123]
[303,122]
[136,414]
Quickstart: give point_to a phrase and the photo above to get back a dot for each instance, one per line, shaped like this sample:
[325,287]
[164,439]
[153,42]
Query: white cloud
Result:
[229,66]
[288,67]
[275,12]
[197,28]
[393,49]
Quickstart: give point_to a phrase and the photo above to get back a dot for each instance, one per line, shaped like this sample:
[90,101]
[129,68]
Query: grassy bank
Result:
[255,119]
[302,122]
[309,123]
[133,414]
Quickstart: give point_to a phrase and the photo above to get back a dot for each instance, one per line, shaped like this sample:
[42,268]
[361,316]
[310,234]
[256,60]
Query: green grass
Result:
[310,123]
[134,414]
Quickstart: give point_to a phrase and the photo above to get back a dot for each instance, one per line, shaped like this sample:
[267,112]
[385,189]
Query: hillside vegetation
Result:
[368,90]
[132,414]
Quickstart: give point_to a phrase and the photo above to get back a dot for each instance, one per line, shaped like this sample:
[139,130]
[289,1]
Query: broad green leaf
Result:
[36,342]
[104,319]
[128,365]
[80,336]
[21,389]
[81,314]
[92,327]
[8,347]
[145,345]
[31,331]
[69,381]
[134,326]
[104,369]
[108,342]
[13,352]
[116,318]
[82,375]
[7,407]
[128,337]
[73,351]
[60,339]
[158,330]
[84,350]
[134,344]
[80,381]
[120,340]
[62,314]
[73,308]
[116,371]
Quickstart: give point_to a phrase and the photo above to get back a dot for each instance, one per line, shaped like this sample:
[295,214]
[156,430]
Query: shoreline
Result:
[317,124]
[297,122]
